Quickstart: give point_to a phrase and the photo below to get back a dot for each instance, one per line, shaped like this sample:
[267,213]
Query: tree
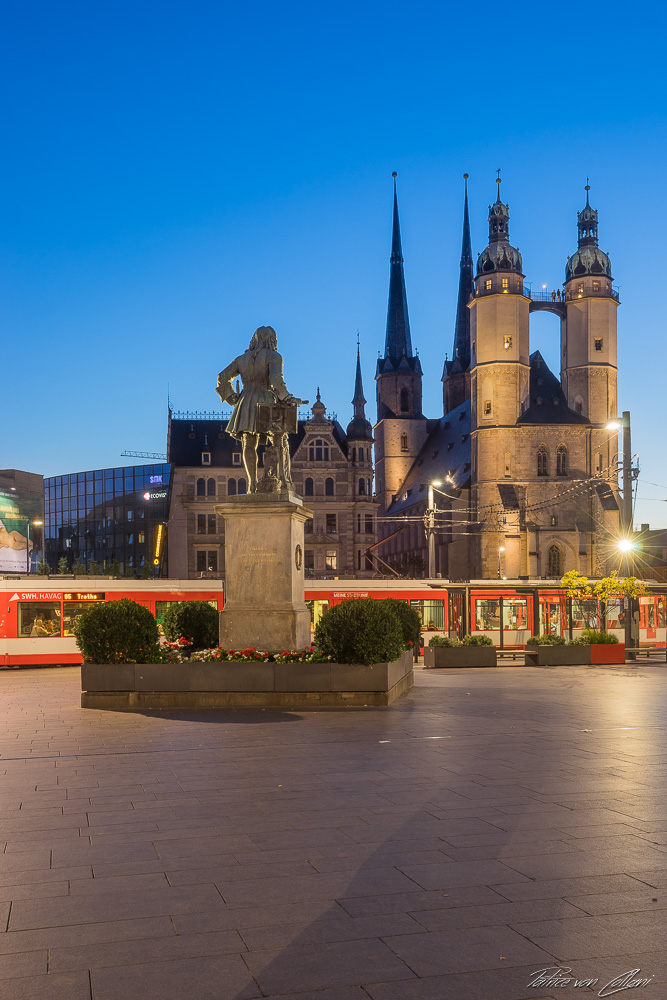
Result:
[576,584]
[79,568]
[113,567]
[94,568]
[43,568]
[619,586]
[146,571]
[63,565]
[409,566]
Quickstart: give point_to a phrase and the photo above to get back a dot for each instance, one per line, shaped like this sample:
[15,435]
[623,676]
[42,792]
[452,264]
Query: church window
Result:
[361,454]
[554,562]
[318,451]
[362,487]
[405,401]
[487,408]
[508,465]
[404,442]
[598,464]
[508,343]
[201,487]
[561,460]
[231,487]
[210,487]
[506,282]
[330,559]
[542,461]
[598,343]
[308,487]
[487,284]
[579,406]
[243,487]
[331,524]
[329,487]
[308,527]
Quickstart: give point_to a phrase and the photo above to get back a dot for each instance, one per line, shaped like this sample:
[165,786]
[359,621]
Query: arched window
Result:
[201,487]
[361,454]
[210,487]
[231,487]
[318,451]
[354,454]
[542,461]
[561,460]
[329,487]
[368,488]
[362,487]
[405,400]
[404,442]
[554,562]
[243,487]
[308,487]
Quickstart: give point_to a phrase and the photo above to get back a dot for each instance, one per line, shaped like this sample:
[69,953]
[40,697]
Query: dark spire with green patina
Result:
[461,352]
[359,427]
[397,342]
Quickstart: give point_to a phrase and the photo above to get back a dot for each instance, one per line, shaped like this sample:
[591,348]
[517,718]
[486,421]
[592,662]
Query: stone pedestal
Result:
[264,582]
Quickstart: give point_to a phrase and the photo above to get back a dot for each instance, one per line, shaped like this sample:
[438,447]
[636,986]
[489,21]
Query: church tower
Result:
[588,343]
[456,373]
[500,376]
[401,426]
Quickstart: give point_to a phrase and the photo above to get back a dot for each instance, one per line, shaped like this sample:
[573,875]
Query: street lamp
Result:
[500,550]
[430,527]
[626,510]
[28,522]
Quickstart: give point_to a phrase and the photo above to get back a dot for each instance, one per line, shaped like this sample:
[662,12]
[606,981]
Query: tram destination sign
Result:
[56,595]
[85,596]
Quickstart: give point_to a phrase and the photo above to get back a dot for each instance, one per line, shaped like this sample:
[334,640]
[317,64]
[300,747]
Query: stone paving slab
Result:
[451,846]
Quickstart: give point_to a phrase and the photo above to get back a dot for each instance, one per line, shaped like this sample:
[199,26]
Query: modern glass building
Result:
[109,516]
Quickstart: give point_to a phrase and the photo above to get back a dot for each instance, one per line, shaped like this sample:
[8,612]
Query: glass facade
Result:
[109,516]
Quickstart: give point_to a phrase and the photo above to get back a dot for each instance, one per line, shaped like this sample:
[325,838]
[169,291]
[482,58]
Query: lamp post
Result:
[28,522]
[430,527]
[500,551]
[623,424]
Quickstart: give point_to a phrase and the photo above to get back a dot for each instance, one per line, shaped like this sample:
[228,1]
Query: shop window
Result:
[542,461]
[231,487]
[330,560]
[308,487]
[329,487]
[561,460]
[210,487]
[38,621]
[201,524]
[554,562]
[201,487]
[405,400]
[318,451]
[331,524]
[211,525]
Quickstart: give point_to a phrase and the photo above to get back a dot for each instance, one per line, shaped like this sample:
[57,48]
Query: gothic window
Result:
[542,461]
[318,451]
[243,487]
[404,442]
[405,400]
[561,460]
[231,487]
[554,562]
[329,487]
[308,487]
[210,487]
[362,487]
[201,487]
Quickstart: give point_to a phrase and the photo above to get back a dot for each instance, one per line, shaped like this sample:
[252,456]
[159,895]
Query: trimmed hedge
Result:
[591,637]
[118,632]
[477,639]
[360,630]
[196,621]
[444,640]
[546,640]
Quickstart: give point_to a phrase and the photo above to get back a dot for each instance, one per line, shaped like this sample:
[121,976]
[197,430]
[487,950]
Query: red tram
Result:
[37,616]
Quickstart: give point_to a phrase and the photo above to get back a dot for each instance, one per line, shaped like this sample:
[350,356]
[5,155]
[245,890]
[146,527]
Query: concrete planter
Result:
[460,656]
[563,656]
[218,685]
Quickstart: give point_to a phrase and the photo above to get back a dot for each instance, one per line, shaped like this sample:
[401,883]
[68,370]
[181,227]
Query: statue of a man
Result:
[261,371]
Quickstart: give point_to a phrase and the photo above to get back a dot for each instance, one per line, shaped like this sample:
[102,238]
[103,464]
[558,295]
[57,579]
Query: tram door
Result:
[456,617]
[551,616]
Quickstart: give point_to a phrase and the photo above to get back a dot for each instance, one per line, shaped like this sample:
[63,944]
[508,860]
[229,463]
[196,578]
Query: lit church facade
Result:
[523,458]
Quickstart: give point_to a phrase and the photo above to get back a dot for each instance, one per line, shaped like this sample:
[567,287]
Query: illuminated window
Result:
[330,559]
[598,343]
[554,521]
[508,343]
[542,461]
[487,408]
[506,282]
[487,284]
[140,538]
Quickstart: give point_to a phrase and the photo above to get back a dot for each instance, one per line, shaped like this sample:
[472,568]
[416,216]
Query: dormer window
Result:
[206,458]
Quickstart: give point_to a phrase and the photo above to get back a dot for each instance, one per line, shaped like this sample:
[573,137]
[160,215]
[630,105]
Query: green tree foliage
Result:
[43,568]
[196,621]
[444,640]
[360,630]
[409,619]
[576,585]
[117,632]
[590,637]
[477,639]
[618,586]
[79,568]
[546,640]
[63,565]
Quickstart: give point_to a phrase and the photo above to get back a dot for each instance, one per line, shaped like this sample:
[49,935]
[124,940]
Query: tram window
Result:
[515,613]
[39,620]
[431,613]
[487,614]
[614,612]
[585,614]
[71,614]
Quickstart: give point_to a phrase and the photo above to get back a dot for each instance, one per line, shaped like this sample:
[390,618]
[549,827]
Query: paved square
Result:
[489,825]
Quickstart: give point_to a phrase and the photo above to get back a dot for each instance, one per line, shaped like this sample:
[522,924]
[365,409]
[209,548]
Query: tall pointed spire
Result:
[359,427]
[461,351]
[398,343]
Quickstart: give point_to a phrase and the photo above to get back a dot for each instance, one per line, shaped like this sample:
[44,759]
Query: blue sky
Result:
[175,175]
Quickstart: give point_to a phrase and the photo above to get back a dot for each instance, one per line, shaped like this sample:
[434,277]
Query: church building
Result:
[521,464]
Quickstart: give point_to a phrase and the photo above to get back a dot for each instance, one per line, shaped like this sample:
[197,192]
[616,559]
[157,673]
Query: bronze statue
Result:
[265,412]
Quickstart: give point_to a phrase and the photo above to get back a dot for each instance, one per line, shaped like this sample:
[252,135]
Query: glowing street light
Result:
[500,551]
[430,513]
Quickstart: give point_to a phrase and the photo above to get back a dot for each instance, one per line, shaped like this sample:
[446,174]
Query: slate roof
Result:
[547,403]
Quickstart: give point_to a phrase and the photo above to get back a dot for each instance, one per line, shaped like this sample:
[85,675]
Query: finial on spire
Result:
[587,189]
[357,339]
[498,182]
[318,400]
[394,174]
[465,179]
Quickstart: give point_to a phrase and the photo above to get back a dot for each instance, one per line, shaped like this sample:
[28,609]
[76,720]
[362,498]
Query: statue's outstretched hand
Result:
[291,400]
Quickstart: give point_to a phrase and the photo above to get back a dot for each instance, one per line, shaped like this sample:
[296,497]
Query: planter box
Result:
[560,656]
[557,656]
[460,656]
[218,685]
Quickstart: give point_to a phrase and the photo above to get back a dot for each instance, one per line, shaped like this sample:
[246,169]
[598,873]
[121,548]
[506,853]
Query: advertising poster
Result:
[20,539]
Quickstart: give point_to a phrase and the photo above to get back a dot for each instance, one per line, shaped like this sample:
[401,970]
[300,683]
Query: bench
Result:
[510,654]
[645,650]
